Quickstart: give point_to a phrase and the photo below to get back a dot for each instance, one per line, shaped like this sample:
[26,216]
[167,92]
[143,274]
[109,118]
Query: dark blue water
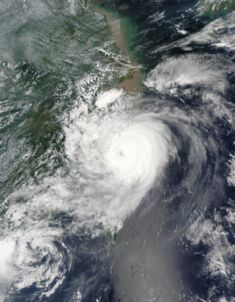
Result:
[64,236]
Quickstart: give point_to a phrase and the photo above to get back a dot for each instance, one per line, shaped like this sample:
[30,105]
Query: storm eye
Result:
[121,153]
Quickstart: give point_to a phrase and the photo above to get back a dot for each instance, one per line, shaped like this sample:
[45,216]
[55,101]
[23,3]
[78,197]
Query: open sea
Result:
[117,151]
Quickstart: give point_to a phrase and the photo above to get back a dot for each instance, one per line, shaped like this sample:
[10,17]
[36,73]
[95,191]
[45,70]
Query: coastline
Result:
[132,81]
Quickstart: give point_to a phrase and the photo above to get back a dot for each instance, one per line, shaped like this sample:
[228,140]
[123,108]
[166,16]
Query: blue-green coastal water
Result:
[117,167]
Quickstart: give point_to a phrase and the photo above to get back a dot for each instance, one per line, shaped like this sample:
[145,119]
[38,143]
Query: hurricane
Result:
[117,153]
[122,155]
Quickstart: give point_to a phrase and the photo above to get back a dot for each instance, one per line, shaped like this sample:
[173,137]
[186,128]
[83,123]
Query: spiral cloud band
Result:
[119,155]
